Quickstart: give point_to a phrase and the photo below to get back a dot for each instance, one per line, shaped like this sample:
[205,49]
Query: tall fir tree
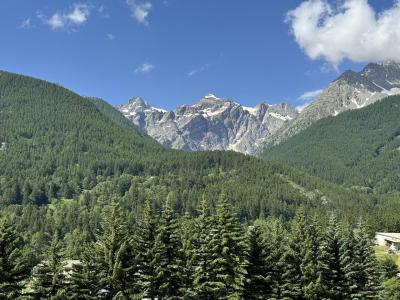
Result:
[112,253]
[14,266]
[348,262]
[228,255]
[144,240]
[168,257]
[82,283]
[332,281]
[258,280]
[202,256]
[367,279]
[189,238]
[48,276]
[310,273]
[294,252]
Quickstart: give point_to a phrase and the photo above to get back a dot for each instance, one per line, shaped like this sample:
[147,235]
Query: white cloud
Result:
[198,70]
[140,10]
[145,68]
[110,36]
[75,16]
[25,24]
[301,107]
[79,14]
[310,95]
[352,29]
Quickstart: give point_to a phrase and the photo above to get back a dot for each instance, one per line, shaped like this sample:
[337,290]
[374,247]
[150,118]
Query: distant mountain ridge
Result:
[351,90]
[358,148]
[221,124]
[210,124]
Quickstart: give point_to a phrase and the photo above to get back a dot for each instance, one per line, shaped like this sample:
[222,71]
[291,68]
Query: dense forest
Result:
[212,256]
[357,148]
[92,206]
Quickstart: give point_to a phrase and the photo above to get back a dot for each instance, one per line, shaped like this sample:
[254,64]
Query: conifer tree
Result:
[168,256]
[83,281]
[294,252]
[258,281]
[310,272]
[189,247]
[228,257]
[367,279]
[112,253]
[332,281]
[14,267]
[202,256]
[348,262]
[144,240]
[48,276]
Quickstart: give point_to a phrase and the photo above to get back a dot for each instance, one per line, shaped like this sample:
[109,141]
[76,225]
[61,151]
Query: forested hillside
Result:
[77,182]
[356,148]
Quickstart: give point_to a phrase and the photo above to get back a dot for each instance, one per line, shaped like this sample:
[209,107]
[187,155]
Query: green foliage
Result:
[14,266]
[48,276]
[228,256]
[168,257]
[356,148]
[390,289]
[258,281]
[389,268]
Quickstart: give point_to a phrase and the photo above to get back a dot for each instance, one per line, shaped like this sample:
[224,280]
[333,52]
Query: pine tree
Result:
[294,253]
[202,256]
[112,253]
[144,240]
[275,235]
[168,256]
[82,283]
[48,276]
[14,267]
[258,280]
[228,257]
[348,262]
[332,281]
[367,279]
[310,272]
[189,246]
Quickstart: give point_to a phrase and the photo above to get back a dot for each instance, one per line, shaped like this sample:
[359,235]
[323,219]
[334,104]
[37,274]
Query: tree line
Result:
[211,256]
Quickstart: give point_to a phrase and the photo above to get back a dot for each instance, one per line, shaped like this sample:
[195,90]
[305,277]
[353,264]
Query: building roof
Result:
[390,235]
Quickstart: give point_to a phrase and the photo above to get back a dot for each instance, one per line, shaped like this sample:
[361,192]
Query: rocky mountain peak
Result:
[138,101]
[212,123]
[351,90]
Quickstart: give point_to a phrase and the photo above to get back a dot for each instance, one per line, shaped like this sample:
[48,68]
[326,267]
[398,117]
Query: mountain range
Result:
[221,124]
[210,124]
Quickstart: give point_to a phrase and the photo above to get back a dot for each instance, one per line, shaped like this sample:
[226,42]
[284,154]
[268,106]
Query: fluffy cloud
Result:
[75,16]
[140,10]
[352,29]
[310,95]
[145,68]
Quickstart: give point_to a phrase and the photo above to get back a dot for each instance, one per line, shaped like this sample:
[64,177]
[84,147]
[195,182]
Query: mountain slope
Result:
[48,130]
[210,124]
[117,117]
[360,147]
[352,90]
[56,144]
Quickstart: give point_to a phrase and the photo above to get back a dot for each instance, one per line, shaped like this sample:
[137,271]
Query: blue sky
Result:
[175,51]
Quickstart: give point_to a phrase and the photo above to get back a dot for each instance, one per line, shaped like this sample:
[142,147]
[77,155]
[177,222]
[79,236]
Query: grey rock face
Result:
[352,90]
[210,124]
